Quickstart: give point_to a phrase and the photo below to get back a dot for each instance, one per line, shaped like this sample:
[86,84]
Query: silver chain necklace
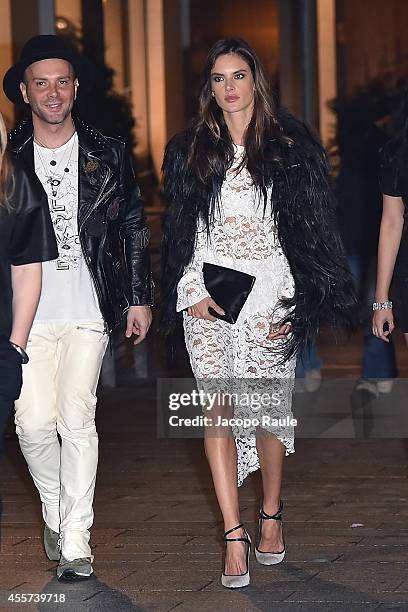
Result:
[52,149]
[54,179]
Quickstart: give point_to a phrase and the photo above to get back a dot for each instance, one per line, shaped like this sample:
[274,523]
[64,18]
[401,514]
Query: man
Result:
[98,221]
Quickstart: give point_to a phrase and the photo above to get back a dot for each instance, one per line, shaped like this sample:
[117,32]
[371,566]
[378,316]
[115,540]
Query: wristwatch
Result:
[21,352]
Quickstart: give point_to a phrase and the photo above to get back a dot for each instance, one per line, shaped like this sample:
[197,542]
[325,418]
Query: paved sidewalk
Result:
[157,529]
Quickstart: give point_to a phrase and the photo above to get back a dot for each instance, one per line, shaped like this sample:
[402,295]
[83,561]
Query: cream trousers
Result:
[59,397]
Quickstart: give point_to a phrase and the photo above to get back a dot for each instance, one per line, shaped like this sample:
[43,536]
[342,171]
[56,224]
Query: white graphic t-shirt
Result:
[68,292]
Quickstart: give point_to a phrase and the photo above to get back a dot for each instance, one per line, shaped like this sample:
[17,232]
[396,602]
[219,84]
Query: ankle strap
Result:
[277,516]
[236,539]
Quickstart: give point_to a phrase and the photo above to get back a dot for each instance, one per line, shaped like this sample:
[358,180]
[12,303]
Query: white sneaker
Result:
[367,385]
[385,385]
[313,380]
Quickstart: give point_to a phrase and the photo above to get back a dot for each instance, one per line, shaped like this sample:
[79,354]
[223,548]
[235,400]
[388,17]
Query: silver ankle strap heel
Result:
[269,558]
[242,580]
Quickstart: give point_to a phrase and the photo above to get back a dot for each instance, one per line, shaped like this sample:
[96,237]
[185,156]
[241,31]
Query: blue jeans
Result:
[378,356]
[308,360]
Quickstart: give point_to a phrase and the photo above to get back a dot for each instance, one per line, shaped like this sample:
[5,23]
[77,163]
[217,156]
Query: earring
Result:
[213,94]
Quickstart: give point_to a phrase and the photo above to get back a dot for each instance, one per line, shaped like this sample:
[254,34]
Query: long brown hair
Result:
[212,152]
[5,168]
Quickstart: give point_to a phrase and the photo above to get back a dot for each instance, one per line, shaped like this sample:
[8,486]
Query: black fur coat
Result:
[303,208]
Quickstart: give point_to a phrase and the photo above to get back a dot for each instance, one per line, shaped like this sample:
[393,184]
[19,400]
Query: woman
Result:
[393,240]
[26,239]
[247,189]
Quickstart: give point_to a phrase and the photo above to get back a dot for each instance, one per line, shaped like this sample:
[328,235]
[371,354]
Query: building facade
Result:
[314,51]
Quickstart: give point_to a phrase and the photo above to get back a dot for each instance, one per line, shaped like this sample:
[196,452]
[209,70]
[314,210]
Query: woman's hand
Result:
[277,332]
[200,310]
[381,317]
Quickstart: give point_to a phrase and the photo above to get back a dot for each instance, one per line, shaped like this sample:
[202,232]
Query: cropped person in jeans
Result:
[26,239]
[308,366]
[360,135]
[391,293]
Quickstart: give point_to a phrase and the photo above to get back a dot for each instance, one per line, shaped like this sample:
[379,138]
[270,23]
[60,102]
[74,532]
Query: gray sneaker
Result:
[51,544]
[78,569]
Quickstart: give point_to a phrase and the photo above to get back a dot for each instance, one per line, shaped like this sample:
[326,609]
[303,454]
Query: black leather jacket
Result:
[112,229]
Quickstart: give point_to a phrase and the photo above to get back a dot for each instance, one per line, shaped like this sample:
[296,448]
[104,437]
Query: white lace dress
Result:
[244,238]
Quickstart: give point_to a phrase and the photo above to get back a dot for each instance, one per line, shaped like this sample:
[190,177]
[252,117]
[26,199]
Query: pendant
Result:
[66,169]
[53,162]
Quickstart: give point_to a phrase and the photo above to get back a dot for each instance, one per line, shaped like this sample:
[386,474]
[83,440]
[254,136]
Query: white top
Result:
[242,237]
[67,292]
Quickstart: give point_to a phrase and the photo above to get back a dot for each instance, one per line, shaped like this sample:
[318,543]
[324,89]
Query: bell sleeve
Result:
[191,288]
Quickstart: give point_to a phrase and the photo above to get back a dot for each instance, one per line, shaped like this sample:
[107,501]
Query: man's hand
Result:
[139,319]
[200,310]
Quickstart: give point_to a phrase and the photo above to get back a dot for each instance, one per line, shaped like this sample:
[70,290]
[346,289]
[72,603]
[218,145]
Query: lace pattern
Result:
[242,237]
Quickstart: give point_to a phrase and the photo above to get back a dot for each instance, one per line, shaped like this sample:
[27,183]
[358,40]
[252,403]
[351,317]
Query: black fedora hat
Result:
[40,48]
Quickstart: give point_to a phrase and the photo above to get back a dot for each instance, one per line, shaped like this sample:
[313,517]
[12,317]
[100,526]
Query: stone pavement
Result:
[157,529]
[157,532]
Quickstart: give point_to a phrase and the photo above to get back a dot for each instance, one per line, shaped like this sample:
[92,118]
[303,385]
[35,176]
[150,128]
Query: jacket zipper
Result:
[97,288]
[87,259]
[98,199]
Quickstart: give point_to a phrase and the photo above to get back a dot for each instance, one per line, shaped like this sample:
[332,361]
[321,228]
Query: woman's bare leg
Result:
[271,453]
[221,452]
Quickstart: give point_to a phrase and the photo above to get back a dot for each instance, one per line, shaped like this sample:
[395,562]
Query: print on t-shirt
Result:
[68,292]
[63,215]
[61,183]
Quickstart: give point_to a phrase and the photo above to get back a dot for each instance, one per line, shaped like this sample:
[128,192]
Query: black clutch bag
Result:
[229,288]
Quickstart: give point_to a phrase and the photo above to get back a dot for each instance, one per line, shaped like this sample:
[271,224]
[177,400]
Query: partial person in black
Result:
[393,240]
[26,239]
[360,134]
